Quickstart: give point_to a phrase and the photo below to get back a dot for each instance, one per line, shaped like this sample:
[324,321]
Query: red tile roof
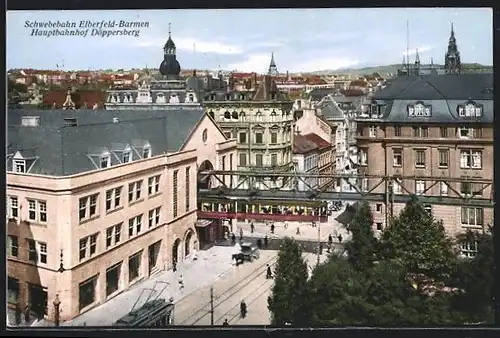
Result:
[242,75]
[358,83]
[320,143]
[79,98]
[302,145]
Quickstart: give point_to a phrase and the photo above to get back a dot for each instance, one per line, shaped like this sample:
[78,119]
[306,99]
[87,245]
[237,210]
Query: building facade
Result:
[261,122]
[98,201]
[305,158]
[435,125]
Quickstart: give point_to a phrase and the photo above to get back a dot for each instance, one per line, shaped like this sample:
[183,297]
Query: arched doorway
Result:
[203,180]
[188,243]
[175,251]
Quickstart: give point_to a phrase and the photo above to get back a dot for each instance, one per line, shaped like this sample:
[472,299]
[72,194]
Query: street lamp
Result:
[57,304]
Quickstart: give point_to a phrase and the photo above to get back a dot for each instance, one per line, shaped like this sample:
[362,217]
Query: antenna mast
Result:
[407,47]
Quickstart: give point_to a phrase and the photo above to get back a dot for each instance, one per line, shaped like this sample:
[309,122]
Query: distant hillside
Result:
[388,69]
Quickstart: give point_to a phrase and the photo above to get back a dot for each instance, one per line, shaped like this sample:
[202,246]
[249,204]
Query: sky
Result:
[243,39]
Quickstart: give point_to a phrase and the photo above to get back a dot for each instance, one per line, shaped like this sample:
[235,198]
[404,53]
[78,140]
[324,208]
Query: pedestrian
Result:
[266,241]
[340,238]
[286,225]
[330,239]
[233,239]
[269,273]
[27,314]
[259,243]
[241,234]
[298,231]
[252,227]
[272,228]
[181,282]
[226,323]
[174,265]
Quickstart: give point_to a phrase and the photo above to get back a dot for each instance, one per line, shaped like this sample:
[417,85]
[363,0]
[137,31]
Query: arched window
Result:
[227,115]
[191,98]
[235,115]
[243,116]
[273,116]
[258,116]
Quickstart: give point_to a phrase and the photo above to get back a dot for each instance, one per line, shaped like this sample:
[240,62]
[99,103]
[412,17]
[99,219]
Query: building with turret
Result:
[166,91]
[452,63]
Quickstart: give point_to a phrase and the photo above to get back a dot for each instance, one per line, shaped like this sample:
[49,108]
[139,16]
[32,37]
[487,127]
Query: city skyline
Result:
[301,40]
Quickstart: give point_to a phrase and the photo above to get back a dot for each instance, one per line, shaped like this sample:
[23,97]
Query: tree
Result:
[362,247]
[418,242]
[289,296]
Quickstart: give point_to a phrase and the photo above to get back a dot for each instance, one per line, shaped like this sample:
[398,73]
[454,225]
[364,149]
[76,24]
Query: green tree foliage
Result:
[14,87]
[362,247]
[417,241]
[476,278]
[289,297]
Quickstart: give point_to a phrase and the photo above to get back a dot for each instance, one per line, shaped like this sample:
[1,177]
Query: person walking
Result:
[298,231]
[286,225]
[241,234]
[272,228]
[233,239]
[340,238]
[243,309]
[252,227]
[269,273]
[330,239]
[266,241]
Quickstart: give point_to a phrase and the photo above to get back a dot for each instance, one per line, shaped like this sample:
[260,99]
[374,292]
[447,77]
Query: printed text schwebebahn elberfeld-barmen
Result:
[85,28]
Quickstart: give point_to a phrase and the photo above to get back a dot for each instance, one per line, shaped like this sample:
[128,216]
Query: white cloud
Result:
[190,44]
[330,63]
[422,49]
[254,63]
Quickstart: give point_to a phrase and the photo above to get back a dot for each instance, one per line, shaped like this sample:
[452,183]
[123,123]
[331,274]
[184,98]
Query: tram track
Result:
[267,286]
[228,293]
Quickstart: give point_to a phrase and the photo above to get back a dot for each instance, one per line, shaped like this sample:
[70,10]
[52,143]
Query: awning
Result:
[202,223]
[348,214]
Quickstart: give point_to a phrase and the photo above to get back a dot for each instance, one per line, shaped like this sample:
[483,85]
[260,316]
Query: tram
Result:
[265,210]
[156,313]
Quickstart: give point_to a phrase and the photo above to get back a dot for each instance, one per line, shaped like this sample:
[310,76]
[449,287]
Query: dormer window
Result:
[234,115]
[243,116]
[212,97]
[227,115]
[19,166]
[105,161]
[228,97]
[146,152]
[191,98]
[273,96]
[127,157]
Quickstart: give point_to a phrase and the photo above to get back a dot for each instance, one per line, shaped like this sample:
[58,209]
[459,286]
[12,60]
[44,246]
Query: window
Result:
[396,186]
[469,249]
[113,279]
[13,246]
[471,189]
[134,226]
[397,131]
[443,132]
[379,207]
[397,157]
[105,161]
[258,117]
[88,207]
[258,138]
[443,189]
[274,160]
[126,157]
[175,193]
[113,235]
[37,211]
[154,217]
[134,191]
[88,246]
[86,292]
[364,156]
[146,152]
[471,159]
[113,197]
[419,187]
[243,137]
[420,158]
[188,189]
[13,207]
[37,251]
[379,226]
[243,160]
[364,184]
[472,216]
[420,132]
[444,157]
[373,131]
[13,290]
[19,166]
[258,160]
[274,138]
[470,132]
[134,266]
[153,185]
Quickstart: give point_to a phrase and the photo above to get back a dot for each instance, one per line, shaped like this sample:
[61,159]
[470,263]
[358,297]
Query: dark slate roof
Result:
[444,93]
[65,150]
[318,93]
[330,110]
[266,88]
[302,145]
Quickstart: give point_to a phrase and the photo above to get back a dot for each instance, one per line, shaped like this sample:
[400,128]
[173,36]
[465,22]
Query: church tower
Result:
[273,70]
[452,63]
[170,67]
[417,63]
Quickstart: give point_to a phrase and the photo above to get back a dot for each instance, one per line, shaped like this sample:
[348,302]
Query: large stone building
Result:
[99,200]
[167,91]
[432,125]
[261,122]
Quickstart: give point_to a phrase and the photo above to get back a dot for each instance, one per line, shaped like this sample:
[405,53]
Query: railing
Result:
[261,216]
